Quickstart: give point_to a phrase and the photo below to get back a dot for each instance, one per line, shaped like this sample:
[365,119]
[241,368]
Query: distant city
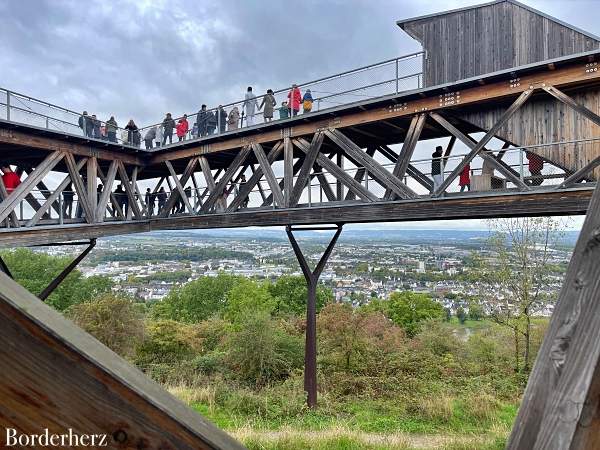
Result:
[366,264]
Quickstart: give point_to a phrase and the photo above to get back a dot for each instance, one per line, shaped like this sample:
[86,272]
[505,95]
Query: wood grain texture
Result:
[56,376]
[491,38]
[559,408]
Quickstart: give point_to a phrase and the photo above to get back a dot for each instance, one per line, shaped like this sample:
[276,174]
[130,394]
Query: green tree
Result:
[260,352]
[461,315]
[197,300]
[407,309]
[475,311]
[246,297]
[290,294]
[115,321]
[168,342]
[36,270]
[521,270]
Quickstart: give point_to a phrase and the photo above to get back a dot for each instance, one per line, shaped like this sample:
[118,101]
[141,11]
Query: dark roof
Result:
[401,23]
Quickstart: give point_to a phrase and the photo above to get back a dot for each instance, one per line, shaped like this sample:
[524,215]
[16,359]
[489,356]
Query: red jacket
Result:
[182,127]
[11,181]
[465,176]
[295,98]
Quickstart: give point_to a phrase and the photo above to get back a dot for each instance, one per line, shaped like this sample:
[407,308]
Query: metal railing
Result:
[375,80]
[20,108]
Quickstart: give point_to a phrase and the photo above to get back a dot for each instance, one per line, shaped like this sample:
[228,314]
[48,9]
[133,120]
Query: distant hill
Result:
[413,236]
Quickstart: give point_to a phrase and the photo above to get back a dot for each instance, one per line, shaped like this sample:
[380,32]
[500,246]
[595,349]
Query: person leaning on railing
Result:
[168,125]
[10,179]
[182,128]
[307,102]
[536,164]
[294,98]
[85,123]
[269,103]
[221,118]
[233,119]
[150,137]
[111,129]
[133,134]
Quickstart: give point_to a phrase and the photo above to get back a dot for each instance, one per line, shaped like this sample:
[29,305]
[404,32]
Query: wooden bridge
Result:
[493,112]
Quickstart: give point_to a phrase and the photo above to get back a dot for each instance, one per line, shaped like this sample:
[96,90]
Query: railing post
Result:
[47,125]
[7,105]
[60,209]
[521,174]
[21,209]
[309,193]
[397,87]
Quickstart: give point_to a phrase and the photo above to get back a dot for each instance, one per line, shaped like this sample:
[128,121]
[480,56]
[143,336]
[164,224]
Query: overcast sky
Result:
[139,59]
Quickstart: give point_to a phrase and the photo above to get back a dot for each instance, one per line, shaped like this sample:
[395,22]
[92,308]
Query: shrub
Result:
[114,321]
[260,352]
[167,341]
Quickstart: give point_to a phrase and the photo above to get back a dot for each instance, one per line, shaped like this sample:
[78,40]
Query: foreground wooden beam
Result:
[481,206]
[560,405]
[58,377]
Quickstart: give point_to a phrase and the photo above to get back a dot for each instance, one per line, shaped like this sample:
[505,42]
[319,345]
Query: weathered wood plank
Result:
[97,391]
[307,167]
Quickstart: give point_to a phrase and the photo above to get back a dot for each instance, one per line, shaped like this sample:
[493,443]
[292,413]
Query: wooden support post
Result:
[560,405]
[312,280]
[288,171]
[92,186]
[66,271]
[180,192]
[339,186]
[14,220]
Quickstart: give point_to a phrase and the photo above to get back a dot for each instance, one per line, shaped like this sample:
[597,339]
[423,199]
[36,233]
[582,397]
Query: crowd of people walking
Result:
[207,121]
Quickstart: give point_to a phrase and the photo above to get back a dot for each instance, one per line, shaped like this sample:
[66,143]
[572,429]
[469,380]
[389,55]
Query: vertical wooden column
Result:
[92,185]
[288,170]
[312,280]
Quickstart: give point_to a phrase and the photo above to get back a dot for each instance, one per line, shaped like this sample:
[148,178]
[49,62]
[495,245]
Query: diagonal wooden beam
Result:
[225,179]
[80,188]
[484,140]
[179,184]
[379,173]
[564,98]
[295,169]
[359,176]
[133,181]
[255,179]
[318,171]
[113,198]
[133,205]
[11,202]
[52,198]
[408,148]
[107,190]
[580,174]
[411,170]
[497,163]
[46,193]
[331,167]
[267,171]
[307,166]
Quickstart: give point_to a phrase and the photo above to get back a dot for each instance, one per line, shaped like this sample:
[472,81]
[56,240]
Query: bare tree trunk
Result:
[517,349]
[527,335]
